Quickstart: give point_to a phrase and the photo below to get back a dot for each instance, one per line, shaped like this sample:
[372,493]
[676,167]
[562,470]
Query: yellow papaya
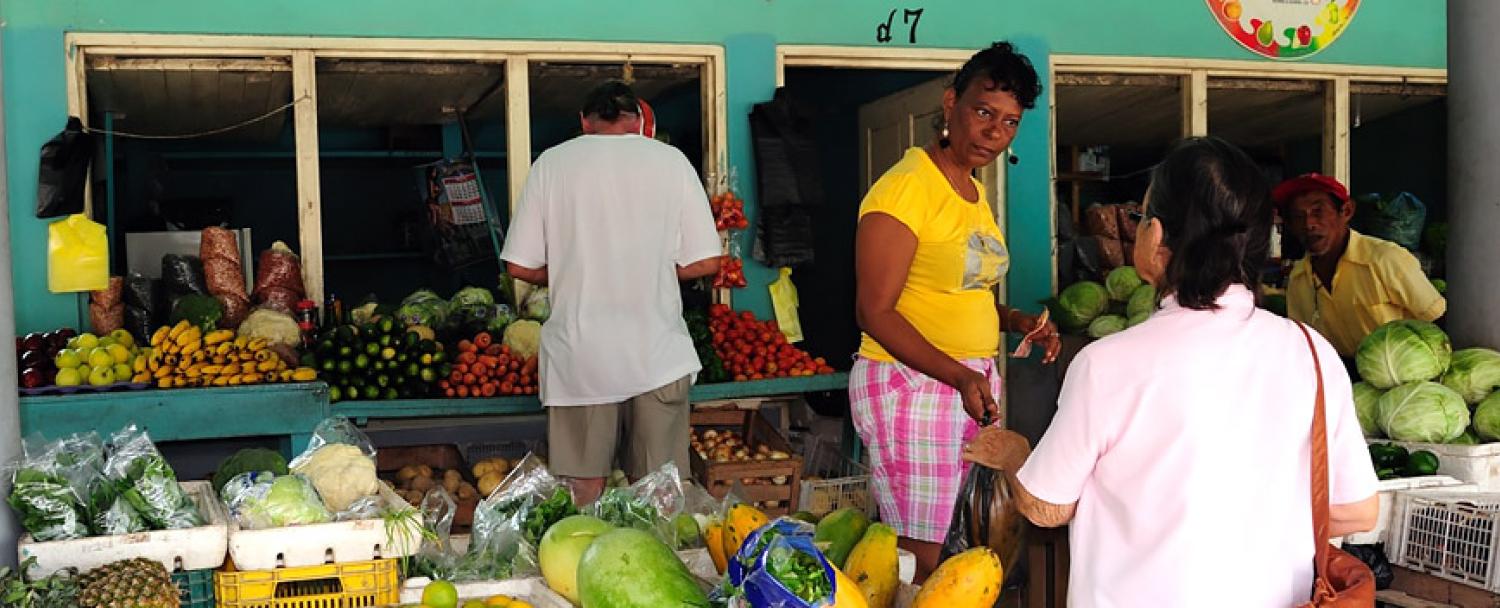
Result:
[713,536]
[847,594]
[968,580]
[739,522]
[873,566]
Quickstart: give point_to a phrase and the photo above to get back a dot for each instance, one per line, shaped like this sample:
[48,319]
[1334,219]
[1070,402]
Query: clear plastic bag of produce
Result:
[509,523]
[702,508]
[436,559]
[144,478]
[537,305]
[472,308]
[279,268]
[47,502]
[340,463]
[261,499]
[109,512]
[651,504]
[423,307]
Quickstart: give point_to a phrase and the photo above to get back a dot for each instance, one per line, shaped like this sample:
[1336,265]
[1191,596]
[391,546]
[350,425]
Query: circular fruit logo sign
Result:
[1284,29]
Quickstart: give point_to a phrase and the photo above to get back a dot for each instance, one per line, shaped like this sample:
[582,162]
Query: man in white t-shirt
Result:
[612,221]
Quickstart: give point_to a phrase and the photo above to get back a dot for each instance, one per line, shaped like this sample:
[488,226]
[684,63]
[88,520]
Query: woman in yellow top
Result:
[928,256]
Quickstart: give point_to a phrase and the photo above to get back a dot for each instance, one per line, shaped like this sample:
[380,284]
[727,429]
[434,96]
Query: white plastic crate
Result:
[1476,464]
[1450,534]
[532,590]
[318,544]
[1387,493]
[188,549]
[841,482]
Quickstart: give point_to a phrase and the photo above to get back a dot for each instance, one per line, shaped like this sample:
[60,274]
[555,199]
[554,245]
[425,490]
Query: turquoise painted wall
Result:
[1409,33]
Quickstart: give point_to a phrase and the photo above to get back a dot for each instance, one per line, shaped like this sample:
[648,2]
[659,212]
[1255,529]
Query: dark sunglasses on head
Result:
[1135,216]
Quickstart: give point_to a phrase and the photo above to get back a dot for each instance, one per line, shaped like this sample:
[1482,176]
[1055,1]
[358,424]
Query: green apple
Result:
[84,371]
[67,358]
[120,352]
[69,376]
[102,376]
[100,357]
[123,338]
[106,342]
[87,342]
[123,372]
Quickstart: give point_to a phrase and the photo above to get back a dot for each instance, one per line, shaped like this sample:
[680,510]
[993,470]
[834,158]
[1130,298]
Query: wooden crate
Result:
[719,477]
[440,457]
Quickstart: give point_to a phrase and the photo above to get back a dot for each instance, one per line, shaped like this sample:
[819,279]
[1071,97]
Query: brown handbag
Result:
[1341,579]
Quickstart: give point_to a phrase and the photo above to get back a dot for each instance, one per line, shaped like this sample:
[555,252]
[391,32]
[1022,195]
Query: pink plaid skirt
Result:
[915,428]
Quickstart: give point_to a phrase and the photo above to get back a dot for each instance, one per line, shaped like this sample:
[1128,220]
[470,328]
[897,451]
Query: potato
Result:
[482,468]
[466,491]
[421,484]
[424,470]
[452,474]
[451,485]
[489,482]
[406,473]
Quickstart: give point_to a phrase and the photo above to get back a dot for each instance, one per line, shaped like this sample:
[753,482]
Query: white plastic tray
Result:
[188,549]
[318,544]
[1476,464]
[533,590]
[1387,492]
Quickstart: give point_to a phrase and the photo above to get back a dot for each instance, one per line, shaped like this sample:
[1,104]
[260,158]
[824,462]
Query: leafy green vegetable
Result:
[253,459]
[145,480]
[199,310]
[57,590]
[1106,325]
[536,306]
[1474,373]
[540,517]
[1366,400]
[1487,418]
[1121,283]
[47,505]
[1080,303]
[1422,411]
[1142,304]
[622,509]
[261,500]
[800,573]
[423,307]
[472,307]
[1403,351]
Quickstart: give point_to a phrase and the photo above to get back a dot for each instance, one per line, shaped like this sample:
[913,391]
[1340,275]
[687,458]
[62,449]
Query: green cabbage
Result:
[472,307]
[1426,412]
[1142,303]
[1468,438]
[1487,418]
[1121,283]
[536,307]
[1474,373]
[1403,351]
[1366,400]
[262,500]
[1106,325]
[423,307]
[1081,303]
[524,338]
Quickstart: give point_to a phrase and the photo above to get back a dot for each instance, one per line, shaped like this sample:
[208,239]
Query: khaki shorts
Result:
[583,440]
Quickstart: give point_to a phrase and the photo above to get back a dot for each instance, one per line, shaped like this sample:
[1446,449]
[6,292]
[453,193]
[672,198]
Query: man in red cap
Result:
[1349,283]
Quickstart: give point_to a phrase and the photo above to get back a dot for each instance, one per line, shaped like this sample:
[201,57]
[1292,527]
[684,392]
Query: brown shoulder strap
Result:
[1319,454]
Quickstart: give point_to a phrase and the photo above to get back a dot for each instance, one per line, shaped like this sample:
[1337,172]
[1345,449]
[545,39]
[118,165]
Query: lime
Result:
[440,594]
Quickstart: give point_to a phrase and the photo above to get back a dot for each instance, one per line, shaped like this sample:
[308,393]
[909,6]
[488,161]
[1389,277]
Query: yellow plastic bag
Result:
[77,255]
[784,300]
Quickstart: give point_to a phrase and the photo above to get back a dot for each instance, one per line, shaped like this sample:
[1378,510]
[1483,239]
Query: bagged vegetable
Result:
[107,307]
[182,275]
[472,307]
[77,255]
[260,500]
[423,307]
[109,513]
[279,269]
[780,566]
[537,307]
[199,310]
[276,327]
[224,278]
[650,504]
[47,502]
[216,242]
[510,522]
[436,558]
[144,479]
[236,309]
[340,462]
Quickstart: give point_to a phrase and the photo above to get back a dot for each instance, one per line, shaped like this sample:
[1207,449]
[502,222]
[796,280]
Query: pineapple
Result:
[132,583]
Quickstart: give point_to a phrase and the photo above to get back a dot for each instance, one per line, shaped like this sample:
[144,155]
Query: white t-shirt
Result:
[611,217]
[1185,442]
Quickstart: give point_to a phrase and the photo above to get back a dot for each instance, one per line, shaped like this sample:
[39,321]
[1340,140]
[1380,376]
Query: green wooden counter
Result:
[362,411]
[285,410]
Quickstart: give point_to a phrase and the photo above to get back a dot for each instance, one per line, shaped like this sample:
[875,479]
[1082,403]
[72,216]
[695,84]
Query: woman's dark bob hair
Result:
[1007,69]
[1214,204]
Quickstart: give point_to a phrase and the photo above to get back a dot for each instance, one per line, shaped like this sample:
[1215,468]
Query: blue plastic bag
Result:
[779,566]
[1398,218]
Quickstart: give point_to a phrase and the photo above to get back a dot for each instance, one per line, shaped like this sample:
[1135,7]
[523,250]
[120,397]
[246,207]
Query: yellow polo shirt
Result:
[1376,282]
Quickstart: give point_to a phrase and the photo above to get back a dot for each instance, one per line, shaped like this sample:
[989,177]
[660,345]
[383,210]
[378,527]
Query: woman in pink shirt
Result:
[1179,455]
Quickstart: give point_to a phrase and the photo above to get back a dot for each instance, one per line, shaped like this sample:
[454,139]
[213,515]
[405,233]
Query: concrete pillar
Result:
[1473,182]
[10,411]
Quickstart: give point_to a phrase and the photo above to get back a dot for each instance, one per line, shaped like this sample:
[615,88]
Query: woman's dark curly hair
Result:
[1009,70]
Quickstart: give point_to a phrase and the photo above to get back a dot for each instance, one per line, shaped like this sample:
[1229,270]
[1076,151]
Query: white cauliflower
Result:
[524,338]
[341,473]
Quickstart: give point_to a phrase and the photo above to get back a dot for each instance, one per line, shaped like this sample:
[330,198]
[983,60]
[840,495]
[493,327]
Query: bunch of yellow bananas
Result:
[183,356]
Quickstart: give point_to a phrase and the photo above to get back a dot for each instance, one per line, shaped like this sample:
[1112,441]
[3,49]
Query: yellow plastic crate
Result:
[347,585]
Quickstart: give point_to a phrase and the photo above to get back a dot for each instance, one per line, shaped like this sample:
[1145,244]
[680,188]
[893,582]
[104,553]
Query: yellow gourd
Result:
[968,580]
[739,522]
[713,537]
[873,566]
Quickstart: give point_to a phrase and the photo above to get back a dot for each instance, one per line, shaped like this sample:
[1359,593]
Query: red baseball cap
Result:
[1309,182]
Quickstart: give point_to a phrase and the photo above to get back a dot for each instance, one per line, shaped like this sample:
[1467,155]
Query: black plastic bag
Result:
[985,514]
[182,275]
[784,237]
[1374,557]
[64,170]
